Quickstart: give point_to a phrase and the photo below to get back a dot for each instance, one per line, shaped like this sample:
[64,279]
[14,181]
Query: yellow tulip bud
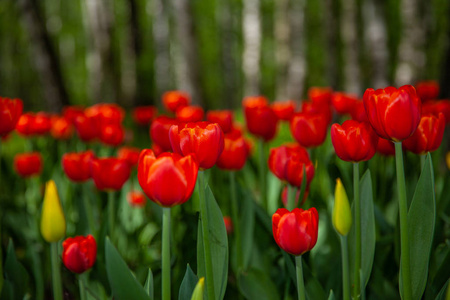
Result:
[342,214]
[198,291]
[53,223]
[447,159]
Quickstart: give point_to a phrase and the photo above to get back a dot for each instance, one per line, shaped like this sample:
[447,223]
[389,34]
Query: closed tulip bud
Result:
[428,136]
[173,100]
[53,222]
[393,113]
[112,134]
[79,253]
[235,152]
[87,128]
[320,95]
[188,114]
[110,173]
[77,166]
[260,118]
[342,214]
[197,294]
[10,112]
[295,232]
[323,109]
[309,130]
[106,113]
[28,164]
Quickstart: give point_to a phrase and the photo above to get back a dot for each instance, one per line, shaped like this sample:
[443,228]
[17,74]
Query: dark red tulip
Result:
[106,113]
[295,232]
[61,129]
[343,103]
[169,179]
[393,113]
[79,253]
[284,110]
[10,112]
[130,154]
[136,199]
[188,114]
[203,139]
[385,147]
[112,134]
[287,163]
[143,115]
[320,95]
[28,164]
[173,100]
[77,166]
[235,152]
[428,136]
[72,112]
[260,118]
[310,130]
[159,132]
[427,90]
[437,106]
[222,117]
[87,128]
[110,173]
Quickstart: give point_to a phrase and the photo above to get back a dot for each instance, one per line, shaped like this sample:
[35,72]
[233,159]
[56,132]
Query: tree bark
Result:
[252,46]
[283,51]
[45,57]
[332,36]
[445,75]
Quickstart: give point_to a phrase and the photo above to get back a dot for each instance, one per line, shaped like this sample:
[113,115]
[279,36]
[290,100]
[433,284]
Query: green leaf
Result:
[148,287]
[444,294]
[274,187]
[15,274]
[218,244]
[188,284]
[331,295]
[247,221]
[256,284]
[421,219]
[123,284]
[314,289]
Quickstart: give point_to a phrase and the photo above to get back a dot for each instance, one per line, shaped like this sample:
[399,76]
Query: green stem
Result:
[403,211]
[82,285]
[205,232]
[300,282]
[166,254]
[345,268]
[356,273]
[262,174]
[236,225]
[111,215]
[56,274]
[89,212]
[292,190]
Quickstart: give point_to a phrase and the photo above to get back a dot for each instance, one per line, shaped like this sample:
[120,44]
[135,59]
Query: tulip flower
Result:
[169,179]
[87,128]
[284,110]
[10,112]
[260,118]
[34,124]
[343,103]
[318,108]
[173,100]
[112,134]
[110,173]
[77,166]
[136,199]
[427,90]
[358,112]
[437,107]
[354,141]
[393,113]
[428,136]
[159,132]
[309,130]
[61,128]
[203,139]
[143,115]
[72,112]
[79,253]
[130,154]
[234,154]
[222,117]
[106,113]
[53,222]
[320,95]
[188,114]
[28,164]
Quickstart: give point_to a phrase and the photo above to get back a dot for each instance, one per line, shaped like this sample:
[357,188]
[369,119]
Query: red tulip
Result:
[310,130]
[287,162]
[393,113]
[295,232]
[88,128]
[318,108]
[188,114]
[343,103]
[169,179]
[136,199]
[77,166]
[284,110]
[354,141]
[385,147]
[320,95]
[34,124]
[110,173]
[106,113]
[203,139]
[437,106]
[130,154]
[222,117]
[112,134]
[159,132]
[61,128]
[143,115]
[235,152]
[72,112]
[173,100]
[358,112]
[428,136]
[260,118]
[10,112]
[79,253]
[427,90]
[28,164]
[228,224]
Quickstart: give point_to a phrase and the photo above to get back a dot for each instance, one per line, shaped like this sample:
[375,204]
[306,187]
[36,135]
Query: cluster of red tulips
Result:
[187,143]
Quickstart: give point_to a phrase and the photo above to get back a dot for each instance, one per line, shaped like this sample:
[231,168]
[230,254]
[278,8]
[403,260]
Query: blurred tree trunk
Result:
[349,34]
[376,40]
[332,34]
[44,56]
[297,67]
[251,24]
[411,57]
[445,75]
[189,73]
[283,53]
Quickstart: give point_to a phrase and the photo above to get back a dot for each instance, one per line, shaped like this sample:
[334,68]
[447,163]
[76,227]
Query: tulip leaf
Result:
[247,222]
[421,219]
[274,188]
[187,285]
[16,277]
[445,292]
[123,284]
[148,287]
[218,244]
[331,295]
[255,284]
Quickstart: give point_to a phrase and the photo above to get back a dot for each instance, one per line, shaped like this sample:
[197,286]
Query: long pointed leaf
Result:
[188,284]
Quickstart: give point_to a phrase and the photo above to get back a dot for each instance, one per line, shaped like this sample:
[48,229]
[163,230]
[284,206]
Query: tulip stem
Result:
[345,267]
[205,232]
[403,211]
[111,215]
[82,285]
[56,274]
[300,282]
[89,213]
[236,225]
[356,273]
[292,190]
[262,174]
[166,254]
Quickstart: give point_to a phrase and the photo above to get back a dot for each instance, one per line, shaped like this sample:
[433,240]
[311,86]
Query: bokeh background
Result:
[58,52]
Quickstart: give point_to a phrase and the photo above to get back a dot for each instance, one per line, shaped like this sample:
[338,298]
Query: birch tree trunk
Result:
[332,35]
[252,46]
[283,53]
[44,56]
